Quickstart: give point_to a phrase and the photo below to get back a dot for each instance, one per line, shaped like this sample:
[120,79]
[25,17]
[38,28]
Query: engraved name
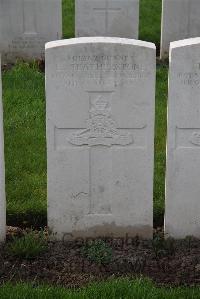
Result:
[99,70]
[28,42]
[189,78]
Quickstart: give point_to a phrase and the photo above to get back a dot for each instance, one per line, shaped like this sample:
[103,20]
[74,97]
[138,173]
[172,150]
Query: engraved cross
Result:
[106,11]
[100,135]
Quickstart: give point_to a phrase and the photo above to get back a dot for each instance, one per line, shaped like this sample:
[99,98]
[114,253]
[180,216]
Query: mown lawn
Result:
[24,120]
[114,289]
[150,21]
[25,145]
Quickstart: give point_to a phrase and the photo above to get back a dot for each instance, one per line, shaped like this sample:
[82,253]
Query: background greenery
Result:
[24,121]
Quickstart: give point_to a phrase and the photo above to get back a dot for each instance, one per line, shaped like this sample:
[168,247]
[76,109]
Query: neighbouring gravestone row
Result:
[2,172]
[180,20]
[183,145]
[26,25]
[114,18]
[100,137]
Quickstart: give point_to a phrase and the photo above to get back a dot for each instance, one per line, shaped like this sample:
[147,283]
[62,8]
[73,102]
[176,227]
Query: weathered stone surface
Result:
[180,20]
[26,25]
[183,145]
[2,172]
[119,18]
[100,136]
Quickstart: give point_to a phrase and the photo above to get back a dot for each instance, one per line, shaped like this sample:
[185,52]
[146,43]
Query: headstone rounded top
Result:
[185,42]
[93,40]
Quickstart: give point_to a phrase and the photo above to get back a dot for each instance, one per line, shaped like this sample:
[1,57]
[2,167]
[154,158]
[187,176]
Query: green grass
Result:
[68,18]
[29,246]
[114,289]
[160,142]
[150,20]
[25,144]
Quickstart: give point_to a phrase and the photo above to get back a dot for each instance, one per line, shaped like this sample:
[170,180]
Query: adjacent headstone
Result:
[180,20]
[119,18]
[100,137]
[26,25]
[183,145]
[2,172]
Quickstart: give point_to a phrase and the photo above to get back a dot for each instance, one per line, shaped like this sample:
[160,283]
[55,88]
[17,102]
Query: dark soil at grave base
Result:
[63,263]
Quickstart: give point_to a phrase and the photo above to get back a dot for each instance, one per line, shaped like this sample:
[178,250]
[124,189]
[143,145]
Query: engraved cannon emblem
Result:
[195,138]
[101,128]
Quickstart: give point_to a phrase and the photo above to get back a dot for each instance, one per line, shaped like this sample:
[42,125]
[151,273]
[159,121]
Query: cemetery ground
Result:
[110,265]
[29,256]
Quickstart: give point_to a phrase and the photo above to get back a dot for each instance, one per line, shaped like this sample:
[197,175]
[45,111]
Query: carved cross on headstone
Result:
[106,10]
[101,135]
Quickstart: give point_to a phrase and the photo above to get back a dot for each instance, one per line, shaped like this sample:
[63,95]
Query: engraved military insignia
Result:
[101,128]
[195,138]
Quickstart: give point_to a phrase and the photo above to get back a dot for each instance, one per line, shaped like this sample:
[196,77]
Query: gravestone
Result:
[100,136]
[180,20]
[118,18]
[183,146]
[2,172]
[26,25]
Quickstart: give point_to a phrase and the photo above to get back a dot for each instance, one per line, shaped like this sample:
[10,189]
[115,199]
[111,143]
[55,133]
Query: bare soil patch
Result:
[167,263]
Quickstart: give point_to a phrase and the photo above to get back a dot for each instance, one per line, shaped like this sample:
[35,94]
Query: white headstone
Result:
[183,146]
[119,18]
[180,20]
[2,172]
[100,136]
[26,25]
